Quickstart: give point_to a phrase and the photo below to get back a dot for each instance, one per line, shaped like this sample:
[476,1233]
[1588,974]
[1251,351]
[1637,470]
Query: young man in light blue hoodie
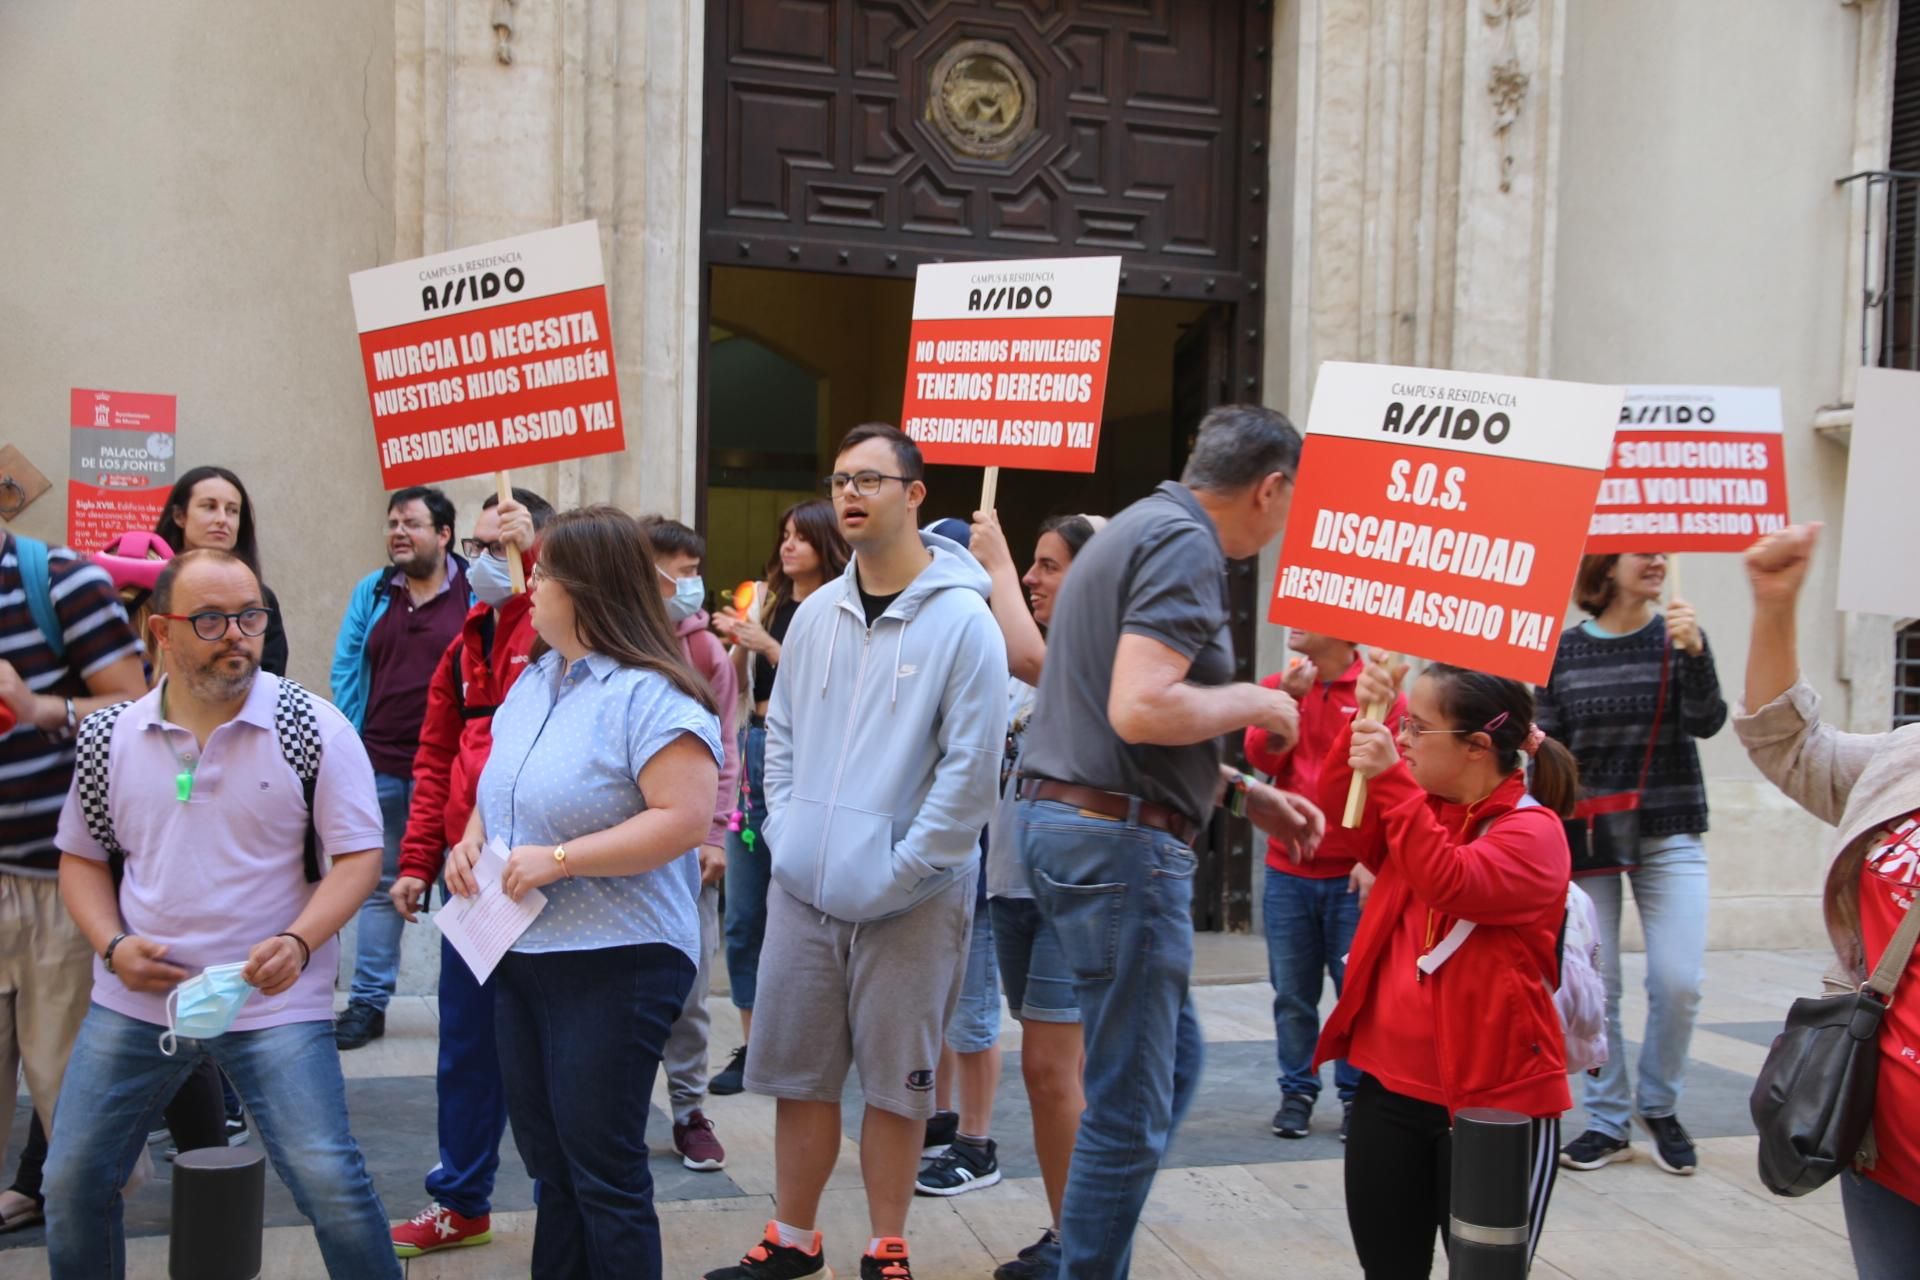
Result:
[883,756]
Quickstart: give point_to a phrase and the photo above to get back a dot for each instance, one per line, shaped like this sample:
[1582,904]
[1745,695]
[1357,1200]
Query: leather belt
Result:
[1112,804]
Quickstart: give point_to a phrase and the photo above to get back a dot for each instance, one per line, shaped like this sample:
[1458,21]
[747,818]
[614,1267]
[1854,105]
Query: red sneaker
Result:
[437,1227]
[699,1149]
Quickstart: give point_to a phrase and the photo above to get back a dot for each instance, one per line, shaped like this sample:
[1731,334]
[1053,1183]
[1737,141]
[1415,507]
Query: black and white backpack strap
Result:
[92,765]
[296,722]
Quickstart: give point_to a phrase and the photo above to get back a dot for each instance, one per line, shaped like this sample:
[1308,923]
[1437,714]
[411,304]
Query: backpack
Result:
[295,722]
[36,582]
[1581,996]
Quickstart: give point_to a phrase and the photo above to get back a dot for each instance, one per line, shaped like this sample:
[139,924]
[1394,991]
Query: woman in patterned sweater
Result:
[1602,701]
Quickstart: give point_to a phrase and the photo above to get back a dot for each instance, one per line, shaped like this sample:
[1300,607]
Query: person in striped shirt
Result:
[46,967]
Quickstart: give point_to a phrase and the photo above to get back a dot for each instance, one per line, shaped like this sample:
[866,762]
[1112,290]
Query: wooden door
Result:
[873,135]
[1204,376]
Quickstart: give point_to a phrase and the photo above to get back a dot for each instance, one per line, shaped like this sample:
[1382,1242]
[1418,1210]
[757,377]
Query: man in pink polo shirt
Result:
[211,823]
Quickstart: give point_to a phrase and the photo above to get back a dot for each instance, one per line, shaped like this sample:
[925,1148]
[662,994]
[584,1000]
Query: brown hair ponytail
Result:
[1503,710]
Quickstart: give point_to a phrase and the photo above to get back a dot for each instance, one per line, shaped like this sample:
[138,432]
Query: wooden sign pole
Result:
[1357,787]
[989,488]
[515,569]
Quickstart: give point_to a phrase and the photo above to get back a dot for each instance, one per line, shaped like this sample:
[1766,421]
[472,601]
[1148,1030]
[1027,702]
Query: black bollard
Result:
[219,1207]
[1488,1231]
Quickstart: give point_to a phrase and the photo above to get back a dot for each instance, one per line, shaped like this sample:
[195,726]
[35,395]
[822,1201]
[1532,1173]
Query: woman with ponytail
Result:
[1449,997]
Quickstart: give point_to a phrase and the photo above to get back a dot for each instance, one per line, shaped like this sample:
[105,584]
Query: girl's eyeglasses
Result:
[1409,729]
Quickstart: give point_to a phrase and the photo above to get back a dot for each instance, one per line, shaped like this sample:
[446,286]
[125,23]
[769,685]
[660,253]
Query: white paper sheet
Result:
[482,928]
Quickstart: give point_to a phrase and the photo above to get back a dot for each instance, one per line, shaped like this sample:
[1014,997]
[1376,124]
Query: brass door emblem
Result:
[981,100]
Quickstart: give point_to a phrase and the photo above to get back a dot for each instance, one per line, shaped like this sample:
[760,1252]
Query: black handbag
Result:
[1813,1102]
[1604,831]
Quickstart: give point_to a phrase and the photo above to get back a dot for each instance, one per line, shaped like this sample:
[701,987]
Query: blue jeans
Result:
[1670,892]
[118,1081]
[376,958]
[1118,897]
[749,871]
[467,1086]
[1883,1227]
[580,1035]
[1310,926]
[975,1024]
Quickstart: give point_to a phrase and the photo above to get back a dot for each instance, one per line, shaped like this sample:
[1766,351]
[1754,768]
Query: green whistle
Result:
[183,786]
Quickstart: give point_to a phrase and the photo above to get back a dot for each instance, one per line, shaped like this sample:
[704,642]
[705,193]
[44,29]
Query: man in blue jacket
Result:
[399,621]
[883,763]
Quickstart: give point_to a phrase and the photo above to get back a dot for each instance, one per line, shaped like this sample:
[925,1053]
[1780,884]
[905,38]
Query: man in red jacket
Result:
[677,555]
[471,680]
[1313,896]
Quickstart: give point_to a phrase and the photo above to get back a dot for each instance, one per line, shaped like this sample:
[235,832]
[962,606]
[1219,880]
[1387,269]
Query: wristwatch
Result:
[106,957]
[68,727]
[560,856]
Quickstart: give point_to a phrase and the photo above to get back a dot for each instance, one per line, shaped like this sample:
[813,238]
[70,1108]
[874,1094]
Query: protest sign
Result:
[1692,469]
[1007,362]
[1442,514]
[488,358]
[121,464]
[1879,572]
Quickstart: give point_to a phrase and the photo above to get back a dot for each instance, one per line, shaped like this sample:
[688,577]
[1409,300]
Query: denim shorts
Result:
[1038,982]
[975,1024]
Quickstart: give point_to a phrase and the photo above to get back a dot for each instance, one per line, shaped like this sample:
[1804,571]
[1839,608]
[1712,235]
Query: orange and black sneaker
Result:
[888,1264]
[771,1260]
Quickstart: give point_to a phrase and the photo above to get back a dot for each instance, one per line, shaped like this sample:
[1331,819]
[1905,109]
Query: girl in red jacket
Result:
[1449,993]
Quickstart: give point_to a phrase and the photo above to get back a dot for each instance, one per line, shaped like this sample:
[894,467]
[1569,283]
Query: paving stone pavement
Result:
[1233,1199]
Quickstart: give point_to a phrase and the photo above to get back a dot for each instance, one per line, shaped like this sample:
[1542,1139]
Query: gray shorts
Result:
[875,996]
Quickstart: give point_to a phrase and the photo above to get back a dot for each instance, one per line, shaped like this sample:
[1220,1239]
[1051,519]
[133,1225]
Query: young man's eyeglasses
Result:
[864,483]
[211,624]
[474,548]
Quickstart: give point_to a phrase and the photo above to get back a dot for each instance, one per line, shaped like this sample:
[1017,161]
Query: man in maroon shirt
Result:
[400,620]
[1313,897]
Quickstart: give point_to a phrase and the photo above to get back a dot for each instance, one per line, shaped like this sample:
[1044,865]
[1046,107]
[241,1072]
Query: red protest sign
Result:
[121,458]
[1007,362]
[1693,469]
[489,358]
[1442,514]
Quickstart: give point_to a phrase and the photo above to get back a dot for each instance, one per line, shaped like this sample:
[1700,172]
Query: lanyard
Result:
[182,781]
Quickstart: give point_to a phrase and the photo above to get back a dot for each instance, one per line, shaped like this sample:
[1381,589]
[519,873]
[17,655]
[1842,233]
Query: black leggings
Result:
[197,1117]
[1399,1180]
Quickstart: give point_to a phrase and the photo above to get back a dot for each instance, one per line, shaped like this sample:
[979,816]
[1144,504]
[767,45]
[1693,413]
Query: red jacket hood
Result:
[456,733]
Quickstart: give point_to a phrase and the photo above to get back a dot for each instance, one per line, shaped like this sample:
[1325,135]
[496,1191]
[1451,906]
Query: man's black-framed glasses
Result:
[864,483]
[474,548]
[211,624]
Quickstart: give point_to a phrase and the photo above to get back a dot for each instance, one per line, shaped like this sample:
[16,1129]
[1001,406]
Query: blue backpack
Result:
[37,582]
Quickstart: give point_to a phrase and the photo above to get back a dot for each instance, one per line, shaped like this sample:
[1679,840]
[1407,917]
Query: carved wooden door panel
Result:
[872,135]
[1203,376]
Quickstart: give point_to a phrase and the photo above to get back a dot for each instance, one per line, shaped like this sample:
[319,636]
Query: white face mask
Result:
[688,595]
[491,583]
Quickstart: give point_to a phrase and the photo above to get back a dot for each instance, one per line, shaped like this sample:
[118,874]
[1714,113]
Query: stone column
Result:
[1416,208]
[1423,175]
[516,116]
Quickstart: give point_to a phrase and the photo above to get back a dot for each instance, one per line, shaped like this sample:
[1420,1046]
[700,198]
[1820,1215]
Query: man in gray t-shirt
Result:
[1156,571]
[1120,768]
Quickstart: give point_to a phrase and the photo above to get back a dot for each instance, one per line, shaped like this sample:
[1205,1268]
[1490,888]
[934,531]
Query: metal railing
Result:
[1890,268]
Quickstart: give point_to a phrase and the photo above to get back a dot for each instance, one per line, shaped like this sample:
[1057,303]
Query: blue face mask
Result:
[689,594]
[488,576]
[205,1005]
